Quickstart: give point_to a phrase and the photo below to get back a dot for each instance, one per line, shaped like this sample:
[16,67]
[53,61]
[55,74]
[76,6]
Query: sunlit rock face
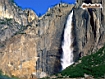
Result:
[67,48]
[32,46]
[10,10]
[49,46]
[89,28]
[27,49]
[13,19]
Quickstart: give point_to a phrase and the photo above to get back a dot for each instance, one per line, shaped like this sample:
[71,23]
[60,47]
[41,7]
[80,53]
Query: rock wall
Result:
[31,45]
[89,28]
[34,47]
[9,9]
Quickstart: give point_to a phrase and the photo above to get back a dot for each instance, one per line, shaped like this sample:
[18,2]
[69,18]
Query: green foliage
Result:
[93,64]
[1,45]
[21,30]
[6,76]
[2,21]
[48,14]
[8,19]
[5,21]
[0,72]
[12,1]
[19,33]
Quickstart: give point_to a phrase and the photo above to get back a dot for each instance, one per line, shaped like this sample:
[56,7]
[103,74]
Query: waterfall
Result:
[67,58]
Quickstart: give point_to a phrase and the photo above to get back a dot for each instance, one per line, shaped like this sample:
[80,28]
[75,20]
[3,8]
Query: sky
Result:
[40,6]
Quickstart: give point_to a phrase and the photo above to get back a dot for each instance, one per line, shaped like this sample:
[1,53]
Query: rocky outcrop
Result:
[31,46]
[89,28]
[17,59]
[13,19]
[10,10]
[49,46]
[34,47]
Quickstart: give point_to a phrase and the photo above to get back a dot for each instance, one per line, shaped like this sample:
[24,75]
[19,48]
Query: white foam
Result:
[67,59]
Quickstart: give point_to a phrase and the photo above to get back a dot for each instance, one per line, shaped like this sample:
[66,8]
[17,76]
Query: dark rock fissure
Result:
[87,1]
[92,22]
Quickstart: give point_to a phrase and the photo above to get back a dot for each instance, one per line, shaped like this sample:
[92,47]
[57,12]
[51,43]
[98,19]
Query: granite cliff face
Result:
[31,45]
[89,30]
[31,48]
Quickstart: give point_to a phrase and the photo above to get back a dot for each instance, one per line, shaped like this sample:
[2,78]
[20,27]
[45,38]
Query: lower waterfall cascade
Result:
[67,48]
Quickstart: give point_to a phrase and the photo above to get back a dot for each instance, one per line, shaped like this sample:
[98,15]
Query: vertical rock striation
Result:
[31,45]
[89,28]
[49,45]
[34,47]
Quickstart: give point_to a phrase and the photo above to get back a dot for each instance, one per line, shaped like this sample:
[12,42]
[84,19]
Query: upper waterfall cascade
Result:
[67,48]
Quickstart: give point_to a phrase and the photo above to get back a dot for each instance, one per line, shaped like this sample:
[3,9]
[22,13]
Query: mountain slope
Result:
[93,65]
[5,76]
[29,43]
[29,47]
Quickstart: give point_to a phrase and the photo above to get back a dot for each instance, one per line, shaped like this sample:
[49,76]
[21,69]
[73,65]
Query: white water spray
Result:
[67,59]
